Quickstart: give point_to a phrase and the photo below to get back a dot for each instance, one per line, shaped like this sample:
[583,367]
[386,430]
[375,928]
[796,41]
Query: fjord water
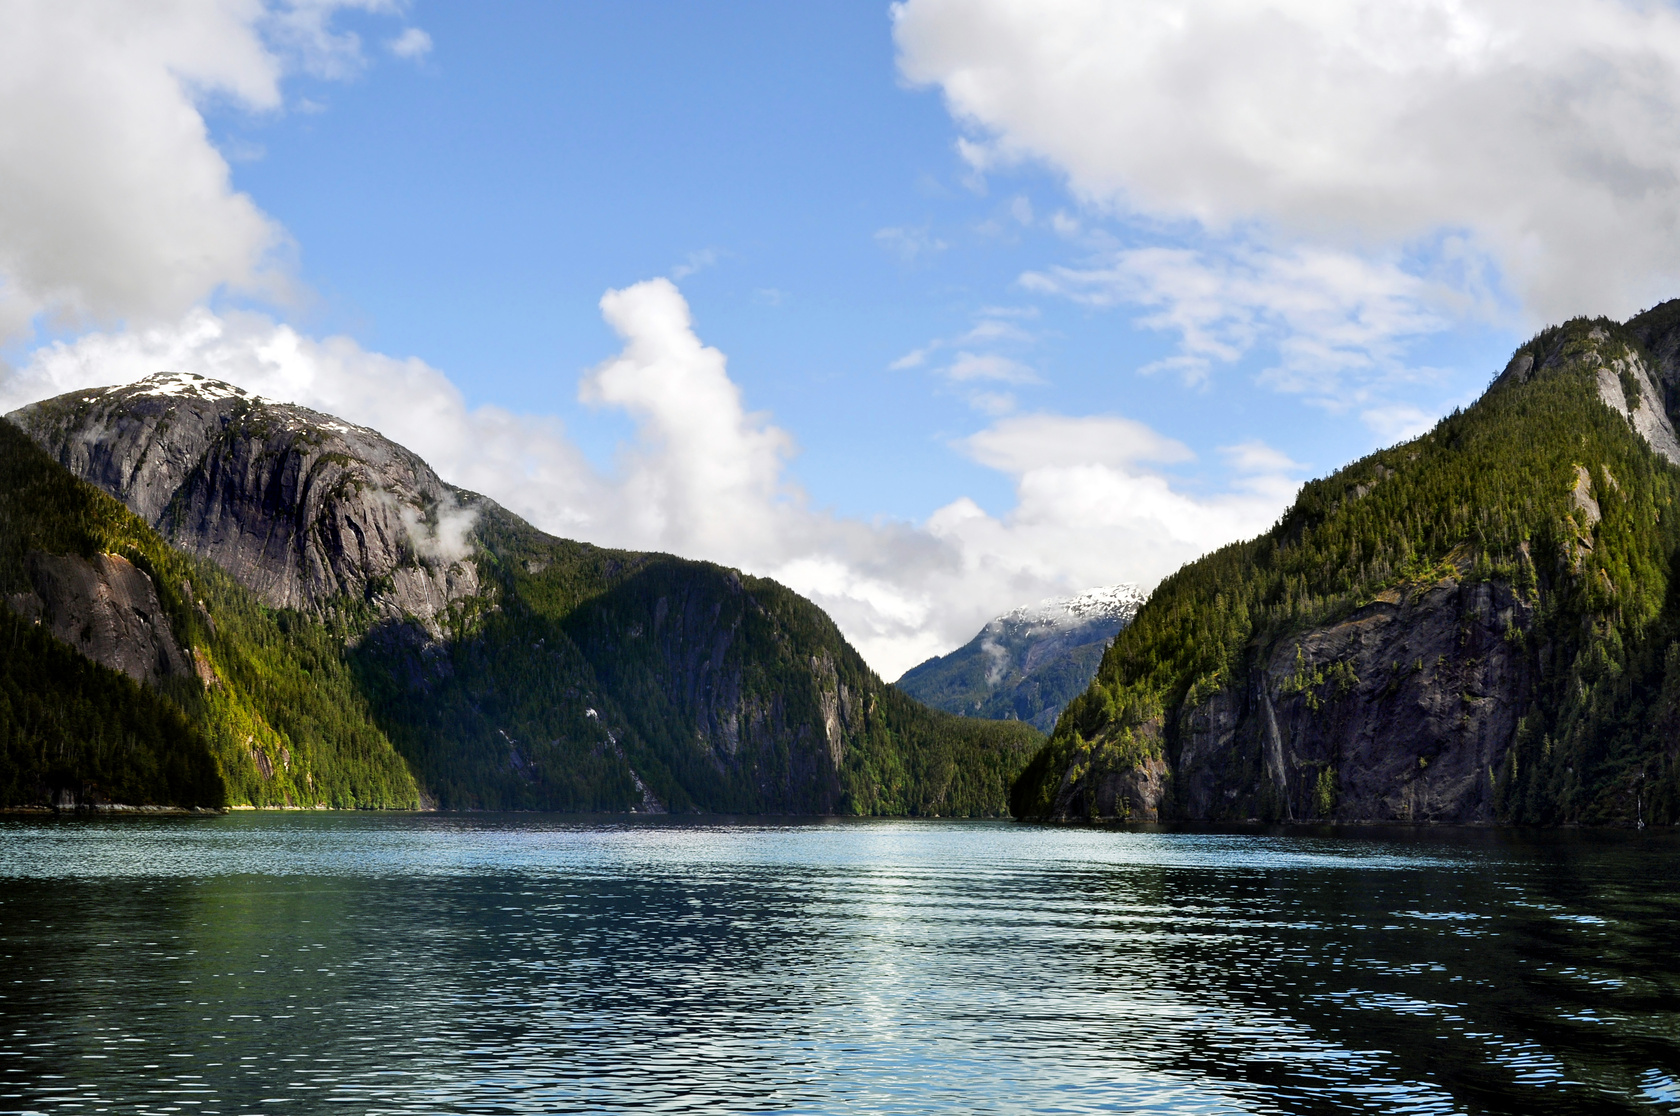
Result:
[422,963]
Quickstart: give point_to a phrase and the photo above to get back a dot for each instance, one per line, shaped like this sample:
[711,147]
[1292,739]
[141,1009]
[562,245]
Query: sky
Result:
[927,310]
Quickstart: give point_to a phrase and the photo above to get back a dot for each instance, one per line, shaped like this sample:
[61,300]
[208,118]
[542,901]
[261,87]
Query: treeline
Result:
[580,679]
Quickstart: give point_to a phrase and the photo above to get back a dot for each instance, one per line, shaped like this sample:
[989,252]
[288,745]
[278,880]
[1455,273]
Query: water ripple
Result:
[374,964]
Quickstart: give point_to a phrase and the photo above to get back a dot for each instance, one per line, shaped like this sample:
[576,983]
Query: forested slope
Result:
[336,598]
[267,693]
[1477,625]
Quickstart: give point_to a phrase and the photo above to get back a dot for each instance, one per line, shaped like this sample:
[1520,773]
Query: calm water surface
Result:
[375,964]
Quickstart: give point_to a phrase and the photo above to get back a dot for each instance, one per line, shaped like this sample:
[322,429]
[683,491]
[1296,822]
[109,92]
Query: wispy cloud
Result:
[1337,324]
[981,355]
[413,44]
[1545,134]
[695,262]
[909,244]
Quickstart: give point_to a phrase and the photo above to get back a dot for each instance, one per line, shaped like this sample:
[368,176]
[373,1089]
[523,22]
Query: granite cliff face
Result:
[1030,662]
[1403,711]
[299,507]
[105,608]
[1481,625]
[510,669]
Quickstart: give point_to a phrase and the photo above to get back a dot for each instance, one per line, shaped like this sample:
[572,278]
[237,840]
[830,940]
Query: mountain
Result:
[340,626]
[1027,664]
[1479,625]
[137,674]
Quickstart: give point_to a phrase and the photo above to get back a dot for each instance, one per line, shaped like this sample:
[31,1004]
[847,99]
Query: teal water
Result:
[285,963]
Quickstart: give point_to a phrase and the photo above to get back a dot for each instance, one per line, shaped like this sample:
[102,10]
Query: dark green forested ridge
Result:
[1539,487]
[568,677]
[608,680]
[282,717]
[70,728]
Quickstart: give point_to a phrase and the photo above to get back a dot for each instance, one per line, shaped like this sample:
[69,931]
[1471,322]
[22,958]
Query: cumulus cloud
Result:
[1545,132]
[704,471]
[706,477]
[117,204]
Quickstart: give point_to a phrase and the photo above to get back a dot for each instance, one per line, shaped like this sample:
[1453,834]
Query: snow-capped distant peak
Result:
[1109,602]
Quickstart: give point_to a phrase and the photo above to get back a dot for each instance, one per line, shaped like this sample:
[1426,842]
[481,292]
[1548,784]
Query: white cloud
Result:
[413,44]
[1031,442]
[967,366]
[992,403]
[705,473]
[707,478]
[1337,322]
[1398,422]
[915,358]
[964,374]
[1256,458]
[1546,132]
[117,205]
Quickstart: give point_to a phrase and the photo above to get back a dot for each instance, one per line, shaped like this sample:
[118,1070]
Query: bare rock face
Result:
[1401,712]
[105,608]
[299,507]
[1642,392]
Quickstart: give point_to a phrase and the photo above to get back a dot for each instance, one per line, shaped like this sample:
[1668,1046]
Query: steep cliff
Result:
[511,669]
[298,507]
[1478,625]
[1027,664]
[240,705]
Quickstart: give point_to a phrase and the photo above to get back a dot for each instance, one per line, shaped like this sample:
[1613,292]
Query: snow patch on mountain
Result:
[1110,602]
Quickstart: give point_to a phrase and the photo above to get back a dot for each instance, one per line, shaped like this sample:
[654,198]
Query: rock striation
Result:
[105,608]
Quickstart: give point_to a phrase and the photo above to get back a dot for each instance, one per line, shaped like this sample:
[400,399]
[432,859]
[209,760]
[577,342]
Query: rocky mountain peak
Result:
[301,507]
[1031,661]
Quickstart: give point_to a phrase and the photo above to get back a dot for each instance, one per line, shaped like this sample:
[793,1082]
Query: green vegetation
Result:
[578,679]
[599,668]
[71,726]
[281,713]
[1489,494]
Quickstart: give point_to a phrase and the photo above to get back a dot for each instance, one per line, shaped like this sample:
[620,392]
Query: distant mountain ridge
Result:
[1027,664]
[341,627]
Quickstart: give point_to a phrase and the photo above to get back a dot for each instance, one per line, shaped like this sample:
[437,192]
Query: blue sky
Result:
[471,210]
[926,310]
